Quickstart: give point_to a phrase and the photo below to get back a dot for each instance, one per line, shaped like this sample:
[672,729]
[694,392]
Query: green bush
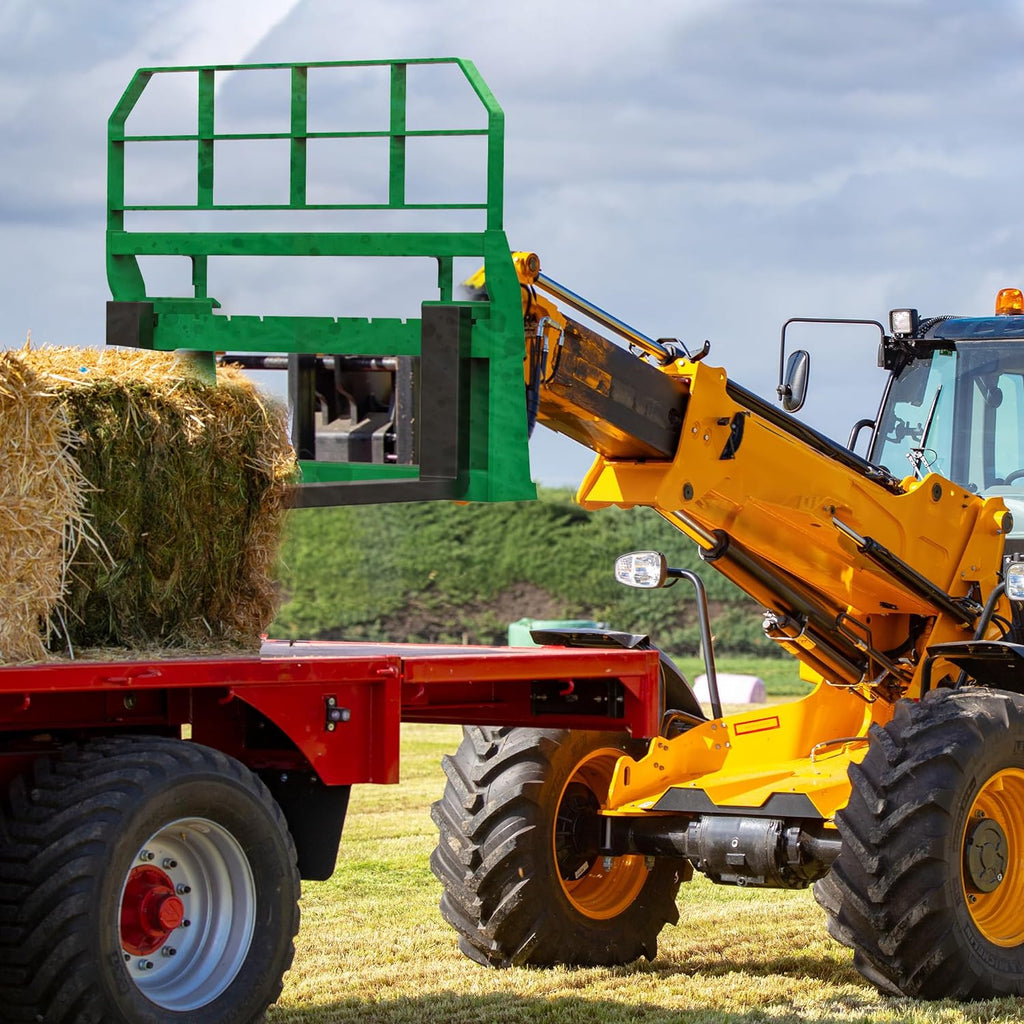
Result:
[441,572]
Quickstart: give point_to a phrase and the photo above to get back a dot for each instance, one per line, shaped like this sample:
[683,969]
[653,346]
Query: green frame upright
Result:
[470,417]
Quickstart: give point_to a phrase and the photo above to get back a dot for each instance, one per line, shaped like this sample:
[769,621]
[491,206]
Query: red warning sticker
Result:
[757,725]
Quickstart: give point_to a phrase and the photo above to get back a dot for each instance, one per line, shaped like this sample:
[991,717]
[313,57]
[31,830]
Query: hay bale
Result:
[171,537]
[42,498]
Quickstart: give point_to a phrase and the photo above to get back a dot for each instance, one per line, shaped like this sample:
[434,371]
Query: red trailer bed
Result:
[339,704]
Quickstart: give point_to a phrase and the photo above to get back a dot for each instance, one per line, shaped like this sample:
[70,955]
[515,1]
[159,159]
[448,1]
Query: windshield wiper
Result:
[916,454]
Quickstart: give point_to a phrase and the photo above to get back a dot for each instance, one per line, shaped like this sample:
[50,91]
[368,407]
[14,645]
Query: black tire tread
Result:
[493,859]
[888,895]
[53,826]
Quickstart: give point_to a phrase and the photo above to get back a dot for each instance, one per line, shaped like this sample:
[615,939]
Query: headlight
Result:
[902,321]
[1015,581]
[644,569]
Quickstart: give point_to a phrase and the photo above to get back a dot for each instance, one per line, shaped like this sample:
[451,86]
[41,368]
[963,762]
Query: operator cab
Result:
[954,403]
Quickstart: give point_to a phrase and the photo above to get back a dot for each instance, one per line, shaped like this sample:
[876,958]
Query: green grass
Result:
[373,946]
[781,675]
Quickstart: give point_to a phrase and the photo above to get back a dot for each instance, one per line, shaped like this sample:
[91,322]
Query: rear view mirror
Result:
[793,389]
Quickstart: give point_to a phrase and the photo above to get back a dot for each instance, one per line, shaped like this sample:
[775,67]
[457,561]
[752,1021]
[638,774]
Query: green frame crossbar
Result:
[475,376]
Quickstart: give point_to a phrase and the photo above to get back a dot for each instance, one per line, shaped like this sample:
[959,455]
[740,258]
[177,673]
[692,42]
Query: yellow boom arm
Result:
[858,571]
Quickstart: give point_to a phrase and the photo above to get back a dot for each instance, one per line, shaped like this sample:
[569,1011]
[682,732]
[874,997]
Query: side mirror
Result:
[793,389]
[644,569]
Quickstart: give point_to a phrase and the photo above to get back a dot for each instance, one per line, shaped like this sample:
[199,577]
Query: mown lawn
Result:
[373,946]
[781,676]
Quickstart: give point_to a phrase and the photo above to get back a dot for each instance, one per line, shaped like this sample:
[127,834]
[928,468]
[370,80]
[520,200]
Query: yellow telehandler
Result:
[896,787]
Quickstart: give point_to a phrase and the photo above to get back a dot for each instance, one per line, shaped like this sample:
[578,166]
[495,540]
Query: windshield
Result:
[959,413]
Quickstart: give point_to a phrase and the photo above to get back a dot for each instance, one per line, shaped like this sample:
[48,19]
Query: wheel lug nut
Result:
[146,855]
[169,863]
[182,889]
[168,951]
[145,965]
[186,923]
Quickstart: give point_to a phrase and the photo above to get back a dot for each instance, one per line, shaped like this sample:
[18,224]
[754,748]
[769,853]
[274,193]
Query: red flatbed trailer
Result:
[130,844]
[339,704]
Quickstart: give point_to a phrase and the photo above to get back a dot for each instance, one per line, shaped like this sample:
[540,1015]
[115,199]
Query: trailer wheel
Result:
[523,881]
[144,880]
[929,886]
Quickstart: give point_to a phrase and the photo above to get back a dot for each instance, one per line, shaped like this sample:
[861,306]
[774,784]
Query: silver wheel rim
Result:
[215,894]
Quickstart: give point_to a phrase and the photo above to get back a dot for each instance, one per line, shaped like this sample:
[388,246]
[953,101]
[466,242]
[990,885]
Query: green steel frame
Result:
[476,373]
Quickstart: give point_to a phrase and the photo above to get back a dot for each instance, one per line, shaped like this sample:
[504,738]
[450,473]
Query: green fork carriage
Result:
[383,409]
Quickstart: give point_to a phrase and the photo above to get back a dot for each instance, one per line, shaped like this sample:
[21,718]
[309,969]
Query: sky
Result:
[704,169]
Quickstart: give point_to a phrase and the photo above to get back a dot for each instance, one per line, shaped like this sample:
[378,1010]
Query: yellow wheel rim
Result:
[992,873]
[593,890]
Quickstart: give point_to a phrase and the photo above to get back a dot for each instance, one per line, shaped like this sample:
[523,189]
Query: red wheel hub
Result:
[150,911]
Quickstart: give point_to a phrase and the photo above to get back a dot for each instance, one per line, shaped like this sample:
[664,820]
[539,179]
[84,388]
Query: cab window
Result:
[994,393]
[916,424]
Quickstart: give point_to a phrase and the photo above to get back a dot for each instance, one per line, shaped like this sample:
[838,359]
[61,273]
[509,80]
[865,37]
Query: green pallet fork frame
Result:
[464,427]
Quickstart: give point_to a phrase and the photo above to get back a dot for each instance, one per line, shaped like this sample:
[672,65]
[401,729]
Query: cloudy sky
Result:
[701,168]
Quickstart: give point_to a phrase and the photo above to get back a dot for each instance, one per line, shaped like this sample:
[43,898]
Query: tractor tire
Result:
[523,881]
[143,880]
[928,889]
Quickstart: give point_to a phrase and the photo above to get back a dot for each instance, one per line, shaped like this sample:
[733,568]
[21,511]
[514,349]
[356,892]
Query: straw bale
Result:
[171,534]
[42,497]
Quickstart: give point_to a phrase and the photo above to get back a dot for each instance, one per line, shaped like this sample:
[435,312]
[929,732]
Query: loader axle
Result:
[773,853]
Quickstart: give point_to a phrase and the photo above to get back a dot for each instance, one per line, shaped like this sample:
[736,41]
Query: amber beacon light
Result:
[1009,302]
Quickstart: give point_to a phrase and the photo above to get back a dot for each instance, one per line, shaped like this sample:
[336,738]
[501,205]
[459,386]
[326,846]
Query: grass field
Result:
[781,675]
[373,946]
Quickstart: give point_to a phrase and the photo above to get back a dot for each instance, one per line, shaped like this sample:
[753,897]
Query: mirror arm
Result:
[784,390]
[706,642]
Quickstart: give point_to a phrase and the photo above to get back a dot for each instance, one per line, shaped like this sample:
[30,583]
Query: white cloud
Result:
[705,169]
